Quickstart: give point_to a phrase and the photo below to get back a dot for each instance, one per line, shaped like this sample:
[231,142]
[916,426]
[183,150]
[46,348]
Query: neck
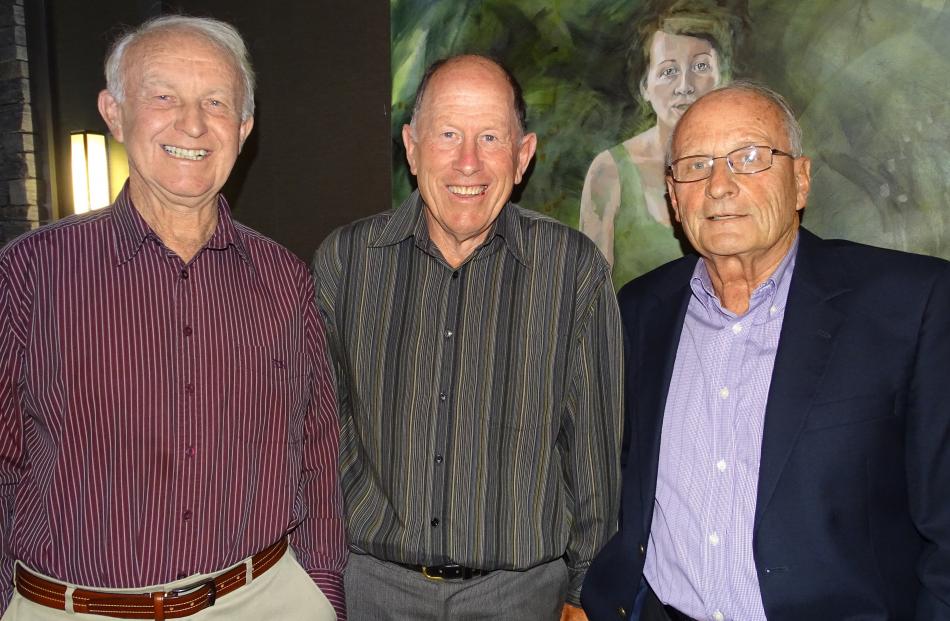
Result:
[735,277]
[456,251]
[184,229]
[662,139]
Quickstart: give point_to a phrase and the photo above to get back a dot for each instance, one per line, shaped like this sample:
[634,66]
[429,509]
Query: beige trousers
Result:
[284,592]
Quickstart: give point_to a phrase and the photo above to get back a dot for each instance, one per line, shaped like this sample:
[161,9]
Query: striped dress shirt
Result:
[480,406]
[160,419]
[700,555]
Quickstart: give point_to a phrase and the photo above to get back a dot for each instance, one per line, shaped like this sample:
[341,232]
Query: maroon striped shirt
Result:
[160,419]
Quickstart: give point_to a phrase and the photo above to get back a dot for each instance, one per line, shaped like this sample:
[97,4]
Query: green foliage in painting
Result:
[868,78]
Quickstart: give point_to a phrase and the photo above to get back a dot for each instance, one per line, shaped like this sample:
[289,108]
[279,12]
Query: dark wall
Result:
[319,155]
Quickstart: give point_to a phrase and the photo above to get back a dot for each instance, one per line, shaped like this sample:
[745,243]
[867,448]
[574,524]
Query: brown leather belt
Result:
[181,602]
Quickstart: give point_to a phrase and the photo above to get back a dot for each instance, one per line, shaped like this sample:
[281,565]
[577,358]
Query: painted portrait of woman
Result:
[678,53]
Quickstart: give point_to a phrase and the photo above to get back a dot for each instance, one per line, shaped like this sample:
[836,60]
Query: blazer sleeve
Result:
[928,451]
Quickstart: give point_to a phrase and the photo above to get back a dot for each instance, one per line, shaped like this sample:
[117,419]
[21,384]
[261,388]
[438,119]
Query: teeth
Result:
[467,190]
[187,154]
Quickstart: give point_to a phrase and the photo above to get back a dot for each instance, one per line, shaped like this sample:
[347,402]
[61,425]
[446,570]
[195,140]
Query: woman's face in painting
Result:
[682,68]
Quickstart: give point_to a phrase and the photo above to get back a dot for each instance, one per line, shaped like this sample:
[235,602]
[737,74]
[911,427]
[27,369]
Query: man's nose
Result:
[722,181]
[468,160]
[191,120]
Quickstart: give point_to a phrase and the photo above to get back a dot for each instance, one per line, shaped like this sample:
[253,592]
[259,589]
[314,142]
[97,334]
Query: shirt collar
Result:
[131,230]
[409,221]
[772,294]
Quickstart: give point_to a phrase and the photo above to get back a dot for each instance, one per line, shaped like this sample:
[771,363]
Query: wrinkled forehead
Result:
[474,79]
[169,45]
[728,119]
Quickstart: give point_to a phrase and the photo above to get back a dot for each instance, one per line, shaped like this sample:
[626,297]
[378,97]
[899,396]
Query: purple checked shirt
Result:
[700,555]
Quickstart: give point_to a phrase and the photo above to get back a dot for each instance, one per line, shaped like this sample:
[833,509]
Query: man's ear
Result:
[802,181]
[410,144]
[672,194]
[244,131]
[529,143]
[111,113]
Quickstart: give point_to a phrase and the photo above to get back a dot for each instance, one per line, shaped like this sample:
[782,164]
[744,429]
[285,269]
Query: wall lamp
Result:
[90,171]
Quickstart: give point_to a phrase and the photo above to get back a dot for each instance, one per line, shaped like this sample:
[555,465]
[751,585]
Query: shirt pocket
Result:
[268,393]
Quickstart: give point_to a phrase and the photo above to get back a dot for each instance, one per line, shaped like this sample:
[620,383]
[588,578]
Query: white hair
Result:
[218,33]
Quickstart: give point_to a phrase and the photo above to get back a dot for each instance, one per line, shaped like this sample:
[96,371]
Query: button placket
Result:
[452,281]
[185,421]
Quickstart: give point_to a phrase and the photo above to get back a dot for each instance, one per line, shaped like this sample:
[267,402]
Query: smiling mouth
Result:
[467,190]
[185,154]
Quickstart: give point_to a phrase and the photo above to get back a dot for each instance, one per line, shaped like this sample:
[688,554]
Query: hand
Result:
[573,613]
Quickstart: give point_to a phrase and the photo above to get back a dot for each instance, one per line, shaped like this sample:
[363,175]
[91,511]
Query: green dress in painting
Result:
[640,242]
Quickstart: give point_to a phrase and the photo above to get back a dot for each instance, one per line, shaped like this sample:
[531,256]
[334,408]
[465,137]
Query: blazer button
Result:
[622,612]
[643,549]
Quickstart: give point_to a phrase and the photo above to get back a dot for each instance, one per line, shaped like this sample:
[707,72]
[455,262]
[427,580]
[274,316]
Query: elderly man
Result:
[477,346]
[167,415]
[786,413]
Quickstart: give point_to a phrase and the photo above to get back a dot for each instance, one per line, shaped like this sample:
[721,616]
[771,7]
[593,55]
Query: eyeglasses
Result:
[744,161]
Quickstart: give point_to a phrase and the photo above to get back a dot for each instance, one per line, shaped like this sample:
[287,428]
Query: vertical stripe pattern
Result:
[161,419]
[480,406]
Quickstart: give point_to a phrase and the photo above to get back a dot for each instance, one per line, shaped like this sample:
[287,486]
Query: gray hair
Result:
[793,129]
[216,32]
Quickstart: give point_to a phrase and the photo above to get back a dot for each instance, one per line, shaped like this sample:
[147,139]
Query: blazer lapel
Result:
[662,327]
[809,329]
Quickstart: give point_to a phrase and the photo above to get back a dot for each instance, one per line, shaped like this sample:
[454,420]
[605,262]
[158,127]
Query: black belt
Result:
[653,608]
[446,572]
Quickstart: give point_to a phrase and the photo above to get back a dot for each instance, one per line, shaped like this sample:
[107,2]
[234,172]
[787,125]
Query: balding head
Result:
[740,90]
[519,109]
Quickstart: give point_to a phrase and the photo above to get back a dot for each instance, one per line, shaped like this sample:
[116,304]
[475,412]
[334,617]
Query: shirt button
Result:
[448,334]
[721,465]
[736,328]
[190,451]
[182,575]
[773,310]
[190,389]
[718,616]
[714,539]
[186,515]
[724,393]
[187,330]
[435,522]
[442,396]
[184,274]
[455,275]
[438,459]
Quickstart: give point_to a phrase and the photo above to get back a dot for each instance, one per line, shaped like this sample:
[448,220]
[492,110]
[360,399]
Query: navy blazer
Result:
[852,517]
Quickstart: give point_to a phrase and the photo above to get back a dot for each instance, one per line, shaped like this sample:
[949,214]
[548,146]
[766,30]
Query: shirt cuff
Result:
[575,582]
[331,583]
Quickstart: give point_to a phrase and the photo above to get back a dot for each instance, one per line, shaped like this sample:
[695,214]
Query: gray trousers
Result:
[379,591]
